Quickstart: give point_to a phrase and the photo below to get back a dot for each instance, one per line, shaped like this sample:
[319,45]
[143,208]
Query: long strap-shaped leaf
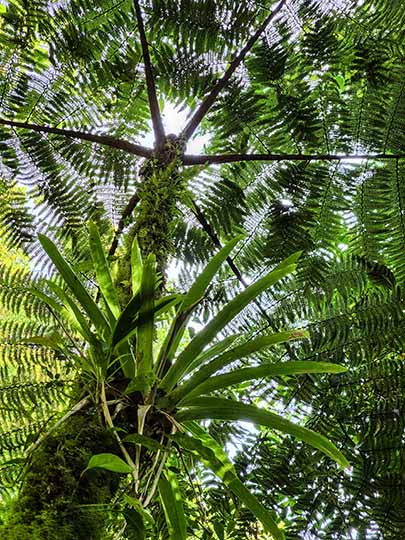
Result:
[194,295]
[214,351]
[145,330]
[214,458]
[200,285]
[205,408]
[75,285]
[269,370]
[136,266]
[73,314]
[102,270]
[208,333]
[246,349]
[173,507]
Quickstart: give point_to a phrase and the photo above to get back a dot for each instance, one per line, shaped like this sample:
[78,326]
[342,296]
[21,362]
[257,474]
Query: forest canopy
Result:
[202,345]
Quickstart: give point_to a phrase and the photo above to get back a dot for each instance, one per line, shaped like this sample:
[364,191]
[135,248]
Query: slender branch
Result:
[70,413]
[133,201]
[110,424]
[150,81]
[154,485]
[141,413]
[105,140]
[153,467]
[215,240]
[231,158]
[212,96]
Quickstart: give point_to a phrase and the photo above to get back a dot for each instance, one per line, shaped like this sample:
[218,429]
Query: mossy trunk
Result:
[54,500]
[54,494]
[161,187]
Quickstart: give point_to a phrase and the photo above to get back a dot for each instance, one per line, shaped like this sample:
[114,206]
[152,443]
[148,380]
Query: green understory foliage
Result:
[324,78]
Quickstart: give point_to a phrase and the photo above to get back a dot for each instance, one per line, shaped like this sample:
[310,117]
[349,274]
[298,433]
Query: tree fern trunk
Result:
[53,498]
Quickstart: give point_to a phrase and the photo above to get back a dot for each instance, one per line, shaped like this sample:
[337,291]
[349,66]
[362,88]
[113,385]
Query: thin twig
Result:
[215,240]
[141,413]
[110,424]
[156,480]
[70,413]
[175,427]
[212,96]
[150,81]
[153,467]
[133,201]
[105,140]
[232,158]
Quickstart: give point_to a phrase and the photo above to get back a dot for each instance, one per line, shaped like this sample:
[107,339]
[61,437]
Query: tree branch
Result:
[150,82]
[231,158]
[105,140]
[215,240]
[133,201]
[207,103]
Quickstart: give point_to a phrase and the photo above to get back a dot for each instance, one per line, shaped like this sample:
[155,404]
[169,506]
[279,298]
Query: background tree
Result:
[303,103]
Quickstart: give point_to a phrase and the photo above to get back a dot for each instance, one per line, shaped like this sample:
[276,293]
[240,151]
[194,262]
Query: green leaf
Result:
[75,285]
[110,462]
[123,326]
[207,334]
[135,529]
[191,300]
[147,442]
[200,285]
[131,317]
[102,270]
[48,300]
[67,310]
[73,314]
[172,503]
[135,503]
[250,347]
[214,350]
[53,341]
[269,370]
[136,266]
[205,408]
[213,457]
[144,343]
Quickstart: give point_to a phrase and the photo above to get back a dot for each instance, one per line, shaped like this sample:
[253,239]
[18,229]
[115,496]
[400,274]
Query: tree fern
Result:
[302,103]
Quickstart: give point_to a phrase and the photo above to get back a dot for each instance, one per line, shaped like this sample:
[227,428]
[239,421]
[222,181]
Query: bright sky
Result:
[174,121]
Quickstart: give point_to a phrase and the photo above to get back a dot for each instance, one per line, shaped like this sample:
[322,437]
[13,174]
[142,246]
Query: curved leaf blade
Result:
[144,343]
[75,285]
[269,370]
[200,285]
[205,408]
[102,270]
[246,349]
[229,312]
[110,462]
[172,503]
[214,458]
[136,266]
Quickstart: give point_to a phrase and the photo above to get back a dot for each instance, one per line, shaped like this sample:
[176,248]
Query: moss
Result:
[160,189]
[49,503]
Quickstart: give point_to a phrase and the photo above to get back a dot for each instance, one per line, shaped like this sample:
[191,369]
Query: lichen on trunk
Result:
[160,188]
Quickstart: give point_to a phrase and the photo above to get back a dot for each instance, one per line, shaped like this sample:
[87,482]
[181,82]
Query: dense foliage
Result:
[306,153]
